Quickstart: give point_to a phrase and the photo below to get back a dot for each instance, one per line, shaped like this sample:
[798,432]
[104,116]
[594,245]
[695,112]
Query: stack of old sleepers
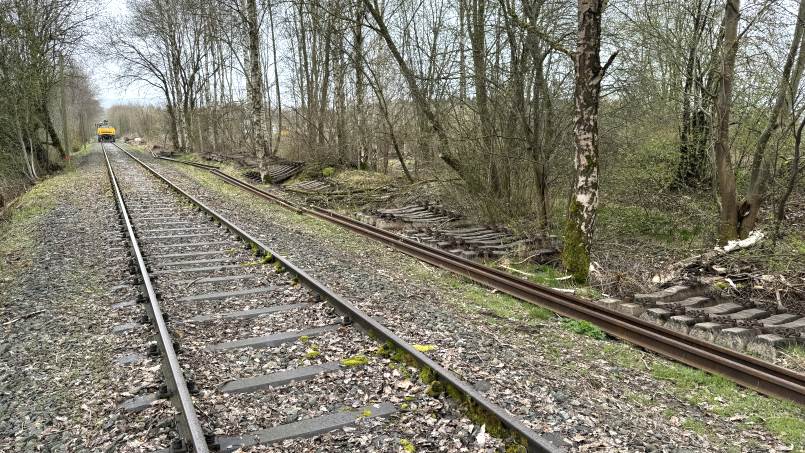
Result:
[412,216]
[476,242]
[277,172]
[436,226]
[313,186]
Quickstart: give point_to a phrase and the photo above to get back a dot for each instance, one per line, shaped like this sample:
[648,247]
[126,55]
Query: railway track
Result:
[743,369]
[255,351]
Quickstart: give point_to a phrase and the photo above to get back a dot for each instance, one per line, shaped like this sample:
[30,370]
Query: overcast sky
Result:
[103,71]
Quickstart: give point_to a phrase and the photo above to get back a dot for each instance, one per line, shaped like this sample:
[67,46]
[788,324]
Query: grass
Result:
[361,179]
[550,276]
[715,395]
[17,234]
[499,304]
[796,356]
[722,397]
[696,426]
[585,328]
[651,224]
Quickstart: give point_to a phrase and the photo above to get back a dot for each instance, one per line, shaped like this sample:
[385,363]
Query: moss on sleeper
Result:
[356,360]
[407,446]
[313,351]
[425,347]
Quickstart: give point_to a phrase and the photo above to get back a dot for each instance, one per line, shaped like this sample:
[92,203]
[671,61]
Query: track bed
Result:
[267,360]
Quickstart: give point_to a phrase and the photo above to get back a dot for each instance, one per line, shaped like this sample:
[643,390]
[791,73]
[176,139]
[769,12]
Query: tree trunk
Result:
[725,175]
[578,236]
[65,130]
[462,63]
[52,134]
[340,100]
[792,180]
[761,161]
[255,81]
[360,85]
[476,26]
[276,80]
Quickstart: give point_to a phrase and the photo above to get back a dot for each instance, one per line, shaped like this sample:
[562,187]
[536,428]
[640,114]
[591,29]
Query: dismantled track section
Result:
[208,288]
[743,369]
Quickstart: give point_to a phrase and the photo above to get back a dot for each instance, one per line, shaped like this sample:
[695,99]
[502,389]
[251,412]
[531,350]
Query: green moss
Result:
[356,360]
[435,389]
[425,347]
[313,351]
[426,375]
[407,446]
[304,338]
[327,172]
[366,413]
[575,256]
[480,416]
[404,406]
[278,267]
[384,350]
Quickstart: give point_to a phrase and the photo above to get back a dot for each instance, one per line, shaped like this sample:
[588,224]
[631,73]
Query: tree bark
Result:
[52,134]
[725,175]
[476,26]
[579,229]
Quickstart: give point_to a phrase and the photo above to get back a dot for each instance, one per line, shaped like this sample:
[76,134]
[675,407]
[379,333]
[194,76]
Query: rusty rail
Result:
[744,369]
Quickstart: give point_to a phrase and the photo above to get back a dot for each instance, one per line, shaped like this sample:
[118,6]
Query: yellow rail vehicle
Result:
[106,133]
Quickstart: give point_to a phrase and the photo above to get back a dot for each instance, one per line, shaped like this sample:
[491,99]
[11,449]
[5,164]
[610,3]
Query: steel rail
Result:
[188,425]
[533,441]
[744,369]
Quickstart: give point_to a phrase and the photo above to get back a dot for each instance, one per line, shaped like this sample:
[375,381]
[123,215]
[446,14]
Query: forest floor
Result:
[565,378]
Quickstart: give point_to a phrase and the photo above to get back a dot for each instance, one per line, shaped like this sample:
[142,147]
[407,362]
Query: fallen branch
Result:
[706,258]
[527,274]
[25,316]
